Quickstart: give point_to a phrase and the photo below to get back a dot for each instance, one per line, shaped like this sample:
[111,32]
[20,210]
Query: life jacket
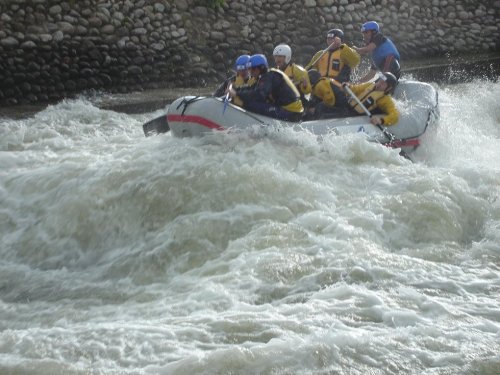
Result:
[290,71]
[368,97]
[330,64]
[239,81]
[328,90]
[382,51]
[286,94]
[298,75]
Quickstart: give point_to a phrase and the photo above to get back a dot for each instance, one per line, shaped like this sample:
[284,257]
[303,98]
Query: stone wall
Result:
[50,49]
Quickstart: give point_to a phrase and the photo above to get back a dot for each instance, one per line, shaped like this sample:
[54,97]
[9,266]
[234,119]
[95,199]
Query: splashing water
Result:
[243,254]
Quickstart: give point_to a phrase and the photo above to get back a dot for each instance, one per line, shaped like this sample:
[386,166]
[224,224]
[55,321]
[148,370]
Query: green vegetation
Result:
[212,3]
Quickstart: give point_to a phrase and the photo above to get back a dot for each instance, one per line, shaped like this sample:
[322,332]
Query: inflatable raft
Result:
[417,103]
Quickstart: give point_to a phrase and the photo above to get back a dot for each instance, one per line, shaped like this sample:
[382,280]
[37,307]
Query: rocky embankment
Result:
[50,49]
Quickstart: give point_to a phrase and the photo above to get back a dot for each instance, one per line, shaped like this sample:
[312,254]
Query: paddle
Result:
[389,136]
[227,98]
[156,126]
[308,66]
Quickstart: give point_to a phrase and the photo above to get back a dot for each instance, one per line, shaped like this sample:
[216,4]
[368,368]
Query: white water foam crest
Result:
[469,131]
[65,126]
[120,175]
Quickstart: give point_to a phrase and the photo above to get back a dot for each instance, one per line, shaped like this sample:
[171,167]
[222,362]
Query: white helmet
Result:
[283,50]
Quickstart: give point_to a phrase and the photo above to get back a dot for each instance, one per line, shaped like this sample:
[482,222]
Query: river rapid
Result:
[249,254]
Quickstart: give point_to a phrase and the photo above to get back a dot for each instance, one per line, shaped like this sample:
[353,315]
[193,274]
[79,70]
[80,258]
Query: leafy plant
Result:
[214,4]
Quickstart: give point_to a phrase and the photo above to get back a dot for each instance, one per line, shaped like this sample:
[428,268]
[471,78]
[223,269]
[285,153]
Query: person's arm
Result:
[349,56]
[366,50]
[376,41]
[260,92]
[351,59]
[387,106]
[369,75]
[301,79]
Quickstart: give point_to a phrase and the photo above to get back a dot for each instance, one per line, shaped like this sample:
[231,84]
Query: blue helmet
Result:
[241,62]
[370,26]
[257,60]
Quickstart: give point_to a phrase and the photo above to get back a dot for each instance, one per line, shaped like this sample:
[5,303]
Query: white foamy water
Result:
[238,254]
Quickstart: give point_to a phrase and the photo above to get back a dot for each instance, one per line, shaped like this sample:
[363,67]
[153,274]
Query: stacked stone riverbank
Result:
[50,49]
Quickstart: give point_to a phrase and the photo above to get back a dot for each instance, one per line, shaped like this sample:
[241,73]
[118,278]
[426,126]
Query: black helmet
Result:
[391,80]
[314,76]
[335,32]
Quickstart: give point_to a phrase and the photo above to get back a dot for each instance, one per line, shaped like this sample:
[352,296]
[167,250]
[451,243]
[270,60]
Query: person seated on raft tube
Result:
[375,96]
[240,79]
[337,60]
[273,94]
[282,58]
[384,54]
[327,96]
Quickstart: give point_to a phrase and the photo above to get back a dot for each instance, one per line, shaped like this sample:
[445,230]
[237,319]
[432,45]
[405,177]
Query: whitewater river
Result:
[241,254]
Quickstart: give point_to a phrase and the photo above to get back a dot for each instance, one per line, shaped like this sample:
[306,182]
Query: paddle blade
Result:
[156,126]
[226,102]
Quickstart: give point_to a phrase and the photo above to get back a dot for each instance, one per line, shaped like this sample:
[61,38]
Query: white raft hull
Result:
[417,102]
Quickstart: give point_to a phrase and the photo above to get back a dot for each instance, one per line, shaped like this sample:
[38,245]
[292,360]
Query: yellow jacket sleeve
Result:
[387,105]
[349,56]
[301,79]
[314,60]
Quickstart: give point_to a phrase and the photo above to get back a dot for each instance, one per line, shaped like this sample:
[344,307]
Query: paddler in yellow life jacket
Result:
[337,60]
[240,80]
[282,58]
[376,97]
[331,100]
[273,94]
[327,97]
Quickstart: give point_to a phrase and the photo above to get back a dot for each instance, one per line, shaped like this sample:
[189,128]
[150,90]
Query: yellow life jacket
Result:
[251,81]
[330,64]
[299,77]
[239,82]
[368,97]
